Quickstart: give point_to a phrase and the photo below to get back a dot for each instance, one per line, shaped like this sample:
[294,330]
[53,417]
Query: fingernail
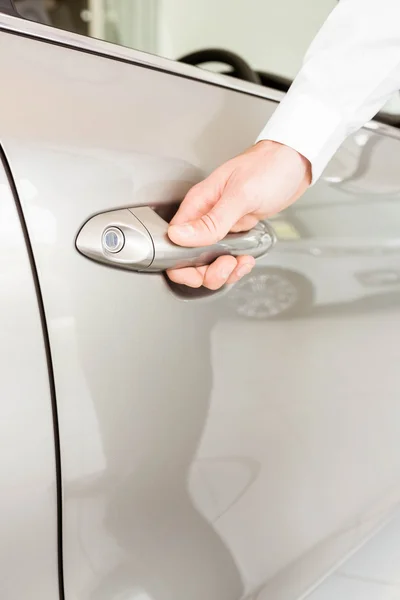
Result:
[243,270]
[225,274]
[186,231]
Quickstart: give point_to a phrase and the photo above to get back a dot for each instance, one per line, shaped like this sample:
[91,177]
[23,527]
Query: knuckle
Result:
[196,190]
[213,280]
[212,225]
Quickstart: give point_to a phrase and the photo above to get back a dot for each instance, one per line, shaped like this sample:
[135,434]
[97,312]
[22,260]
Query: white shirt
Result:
[349,72]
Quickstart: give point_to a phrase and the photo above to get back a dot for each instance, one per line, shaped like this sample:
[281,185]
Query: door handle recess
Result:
[136,239]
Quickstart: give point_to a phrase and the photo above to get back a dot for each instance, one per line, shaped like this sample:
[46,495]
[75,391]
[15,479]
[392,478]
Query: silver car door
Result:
[206,452]
[28,501]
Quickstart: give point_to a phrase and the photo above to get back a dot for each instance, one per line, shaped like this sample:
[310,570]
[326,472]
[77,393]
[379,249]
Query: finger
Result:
[210,227]
[245,264]
[190,276]
[245,223]
[219,272]
[198,201]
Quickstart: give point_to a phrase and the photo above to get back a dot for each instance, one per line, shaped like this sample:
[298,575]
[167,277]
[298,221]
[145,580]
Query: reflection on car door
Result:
[201,458]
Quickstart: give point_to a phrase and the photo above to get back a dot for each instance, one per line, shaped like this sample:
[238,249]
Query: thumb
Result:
[210,227]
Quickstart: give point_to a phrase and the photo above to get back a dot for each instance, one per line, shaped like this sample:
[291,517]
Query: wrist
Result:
[288,155]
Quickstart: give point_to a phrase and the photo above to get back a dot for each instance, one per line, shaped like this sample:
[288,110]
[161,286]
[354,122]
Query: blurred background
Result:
[271,36]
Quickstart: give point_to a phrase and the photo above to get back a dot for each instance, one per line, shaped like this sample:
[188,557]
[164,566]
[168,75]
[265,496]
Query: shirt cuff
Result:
[309,126]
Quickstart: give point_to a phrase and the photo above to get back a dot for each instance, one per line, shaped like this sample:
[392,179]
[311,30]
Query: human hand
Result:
[255,185]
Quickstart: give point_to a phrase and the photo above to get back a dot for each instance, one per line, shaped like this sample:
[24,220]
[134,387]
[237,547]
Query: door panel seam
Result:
[50,369]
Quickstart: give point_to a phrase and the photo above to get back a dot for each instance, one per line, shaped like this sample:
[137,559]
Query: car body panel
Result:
[28,500]
[201,457]
[347,264]
[348,227]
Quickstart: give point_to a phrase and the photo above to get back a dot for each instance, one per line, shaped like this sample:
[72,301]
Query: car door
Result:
[28,457]
[202,456]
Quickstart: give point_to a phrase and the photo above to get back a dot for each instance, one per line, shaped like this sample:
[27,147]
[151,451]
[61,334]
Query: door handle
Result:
[136,239]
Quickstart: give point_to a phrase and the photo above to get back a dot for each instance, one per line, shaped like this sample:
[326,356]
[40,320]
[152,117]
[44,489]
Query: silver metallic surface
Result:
[28,517]
[264,295]
[136,251]
[144,244]
[203,456]
[256,242]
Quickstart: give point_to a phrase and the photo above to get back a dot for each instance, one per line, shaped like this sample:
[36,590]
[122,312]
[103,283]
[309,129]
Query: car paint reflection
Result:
[329,252]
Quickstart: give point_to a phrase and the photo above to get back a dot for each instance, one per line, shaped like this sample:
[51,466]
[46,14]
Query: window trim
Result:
[75,41]
[38,31]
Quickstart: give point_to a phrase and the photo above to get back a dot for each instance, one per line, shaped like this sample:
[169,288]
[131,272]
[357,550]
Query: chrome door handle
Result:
[136,239]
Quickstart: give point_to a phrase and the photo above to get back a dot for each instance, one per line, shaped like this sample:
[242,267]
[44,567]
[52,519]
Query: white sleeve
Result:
[349,72]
